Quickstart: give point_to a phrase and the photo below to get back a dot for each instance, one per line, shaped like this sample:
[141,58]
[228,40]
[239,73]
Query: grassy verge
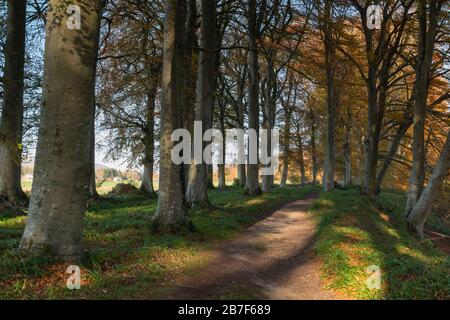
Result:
[353,235]
[124,260]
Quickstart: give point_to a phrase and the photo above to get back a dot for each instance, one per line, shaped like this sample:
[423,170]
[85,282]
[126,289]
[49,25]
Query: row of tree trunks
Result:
[63,158]
[197,188]
[12,110]
[380,59]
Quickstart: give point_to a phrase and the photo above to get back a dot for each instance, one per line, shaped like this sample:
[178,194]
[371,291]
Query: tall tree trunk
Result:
[330,53]
[427,40]
[221,167]
[240,115]
[313,148]
[418,216]
[301,161]
[371,143]
[190,79]
[269,123]
[93,194]
[347,165]
[197,189]
[12,110]
[62,169]
[252,181]
[286,146]
[347,150]
[149,142]
[171,215]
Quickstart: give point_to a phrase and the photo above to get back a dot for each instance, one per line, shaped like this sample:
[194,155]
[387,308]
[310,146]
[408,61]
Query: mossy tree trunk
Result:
[63,157]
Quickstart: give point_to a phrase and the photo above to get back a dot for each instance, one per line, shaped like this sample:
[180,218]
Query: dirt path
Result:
[273,259]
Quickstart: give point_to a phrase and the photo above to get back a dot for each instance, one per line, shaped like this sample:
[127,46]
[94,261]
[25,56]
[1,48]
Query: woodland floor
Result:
[293,243]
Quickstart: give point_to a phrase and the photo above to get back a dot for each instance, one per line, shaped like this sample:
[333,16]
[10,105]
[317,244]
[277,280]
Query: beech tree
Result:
[428,30]
[419,214]
[62,168]
[252,179]
[11,124]
[197,187]
[332,95]
[380,50]
[171,215]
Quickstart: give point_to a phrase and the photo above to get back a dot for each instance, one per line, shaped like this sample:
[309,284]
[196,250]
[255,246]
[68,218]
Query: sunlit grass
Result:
[353,235]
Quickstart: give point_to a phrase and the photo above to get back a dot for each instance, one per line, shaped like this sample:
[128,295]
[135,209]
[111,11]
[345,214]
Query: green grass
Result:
[353,235]
[124,260]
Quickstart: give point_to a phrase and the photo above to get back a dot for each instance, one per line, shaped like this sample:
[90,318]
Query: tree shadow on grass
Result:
[354,235]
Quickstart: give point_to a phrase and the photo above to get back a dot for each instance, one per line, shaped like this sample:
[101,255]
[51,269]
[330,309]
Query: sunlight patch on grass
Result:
[350,240]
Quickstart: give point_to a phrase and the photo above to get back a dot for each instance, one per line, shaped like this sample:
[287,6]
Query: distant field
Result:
[26,185]
[104,188]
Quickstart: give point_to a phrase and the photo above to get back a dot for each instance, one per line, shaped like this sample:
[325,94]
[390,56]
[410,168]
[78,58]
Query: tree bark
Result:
[190,78]
[301,161]
[12,110]
[149,143]
[197,189]
[269,114]
[171,215]
[393,148]
[418,216]
[380,60]
[347,150]
[286,146]
[240,116]
[427,40]
[221,167]
[93,194]
[252,181]
[330,57]
[62,168]
[313,148]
